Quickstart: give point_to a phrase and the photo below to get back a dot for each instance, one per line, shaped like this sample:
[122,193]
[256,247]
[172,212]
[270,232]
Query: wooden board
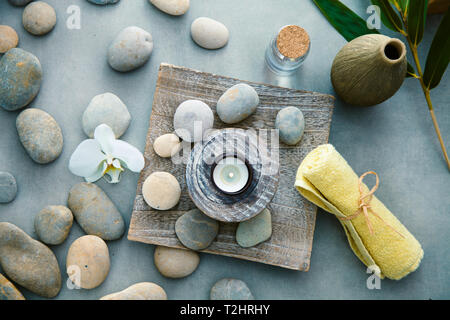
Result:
[293,217]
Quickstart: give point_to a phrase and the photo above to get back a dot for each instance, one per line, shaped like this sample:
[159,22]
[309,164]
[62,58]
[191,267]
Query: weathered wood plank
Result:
[293,218]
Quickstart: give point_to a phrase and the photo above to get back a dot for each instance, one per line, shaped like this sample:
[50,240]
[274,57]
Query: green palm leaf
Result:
[417,14]
[439,54]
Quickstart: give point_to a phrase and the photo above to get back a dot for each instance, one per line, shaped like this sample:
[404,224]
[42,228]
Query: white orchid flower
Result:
[104,154]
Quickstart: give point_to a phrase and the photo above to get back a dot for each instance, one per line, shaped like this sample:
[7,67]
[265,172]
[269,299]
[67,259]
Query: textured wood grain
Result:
[293,218]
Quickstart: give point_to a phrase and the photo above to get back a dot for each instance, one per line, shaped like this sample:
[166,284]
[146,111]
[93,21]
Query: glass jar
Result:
[298,46]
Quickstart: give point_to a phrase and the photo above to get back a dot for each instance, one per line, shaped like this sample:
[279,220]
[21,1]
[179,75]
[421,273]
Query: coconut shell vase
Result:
[369,69]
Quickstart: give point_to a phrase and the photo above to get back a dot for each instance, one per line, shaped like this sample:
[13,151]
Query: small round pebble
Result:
[88,262]
[255,230]
[139,291]
[195,230]
[130,50]
[8,187]
[209,33]
[52,224]
[192,119]
[8,38]
[172,7]
[20,79]
[103,2]
[291,125]
[167,145]
[161,191]
[19,3]
[237,103]
[106,108]
[175,263]
[231,289]
[39,18]
[40,135]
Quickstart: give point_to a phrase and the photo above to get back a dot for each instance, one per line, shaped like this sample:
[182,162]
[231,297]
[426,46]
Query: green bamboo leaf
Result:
[417,15]
[439,54]
[402,4]
[344,20]
[389,17]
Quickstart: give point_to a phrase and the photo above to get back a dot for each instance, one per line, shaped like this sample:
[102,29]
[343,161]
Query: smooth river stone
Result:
[167,145]
[39,18]
[255,230]
[231,289]
[161,190]
[192,119]
[19,3]
[175,263]
[237,103]
[95,212]
[8,291]
[20,79]
[130,49]
[209,33]
[291,125]
[8,187]
[8,38]
[195,230]
[52,224]
[106,108]
[139,291]
[28,262]
[40,135]
[88,262]
[103,2]
[172,7]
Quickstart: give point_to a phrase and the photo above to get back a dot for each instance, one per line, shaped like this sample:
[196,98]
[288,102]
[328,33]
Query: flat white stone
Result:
[209,33]
[172,7]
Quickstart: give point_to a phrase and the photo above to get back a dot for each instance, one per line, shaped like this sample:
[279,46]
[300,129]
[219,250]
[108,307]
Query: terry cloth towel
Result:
[327,180]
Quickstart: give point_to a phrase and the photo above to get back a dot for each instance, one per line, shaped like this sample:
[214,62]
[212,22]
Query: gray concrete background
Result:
[395,139]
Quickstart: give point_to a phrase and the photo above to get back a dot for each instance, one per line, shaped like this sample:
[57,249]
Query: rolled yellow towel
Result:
[327,180]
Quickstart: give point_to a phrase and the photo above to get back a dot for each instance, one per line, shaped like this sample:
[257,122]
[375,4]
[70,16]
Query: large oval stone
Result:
[88,262]
[192,119]
[172,7]
[28,262]
[237,103]
[255,230]
[8,291]
[130,49]
[209,33]
[40,135]
[139,291]
[106,108]
[95,212]
[196,230]
[20,79]
[231,289]
[52,224]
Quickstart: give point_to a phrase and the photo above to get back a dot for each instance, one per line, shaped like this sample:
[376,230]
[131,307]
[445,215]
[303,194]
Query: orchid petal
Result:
[86,158]
[129,155]
[114,175]
[116,164]
[105,136]
[98,174]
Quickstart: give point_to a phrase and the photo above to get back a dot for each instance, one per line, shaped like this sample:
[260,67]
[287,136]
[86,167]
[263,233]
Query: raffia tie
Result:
[364,204]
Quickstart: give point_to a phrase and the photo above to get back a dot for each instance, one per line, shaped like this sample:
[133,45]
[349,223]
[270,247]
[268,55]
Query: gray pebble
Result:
[95,212]
[8,187]
[28,262]
[192,119]
[20,79]
[195,230]
[40,135]
[255,230]
[106,108]
[237,103]
[39,18]
[130,49]
[231,289]
[52,224]
[209,33]
[291,125]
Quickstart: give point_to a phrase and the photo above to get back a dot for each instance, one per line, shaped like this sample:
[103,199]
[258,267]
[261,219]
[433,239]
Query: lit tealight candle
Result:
[231,175]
